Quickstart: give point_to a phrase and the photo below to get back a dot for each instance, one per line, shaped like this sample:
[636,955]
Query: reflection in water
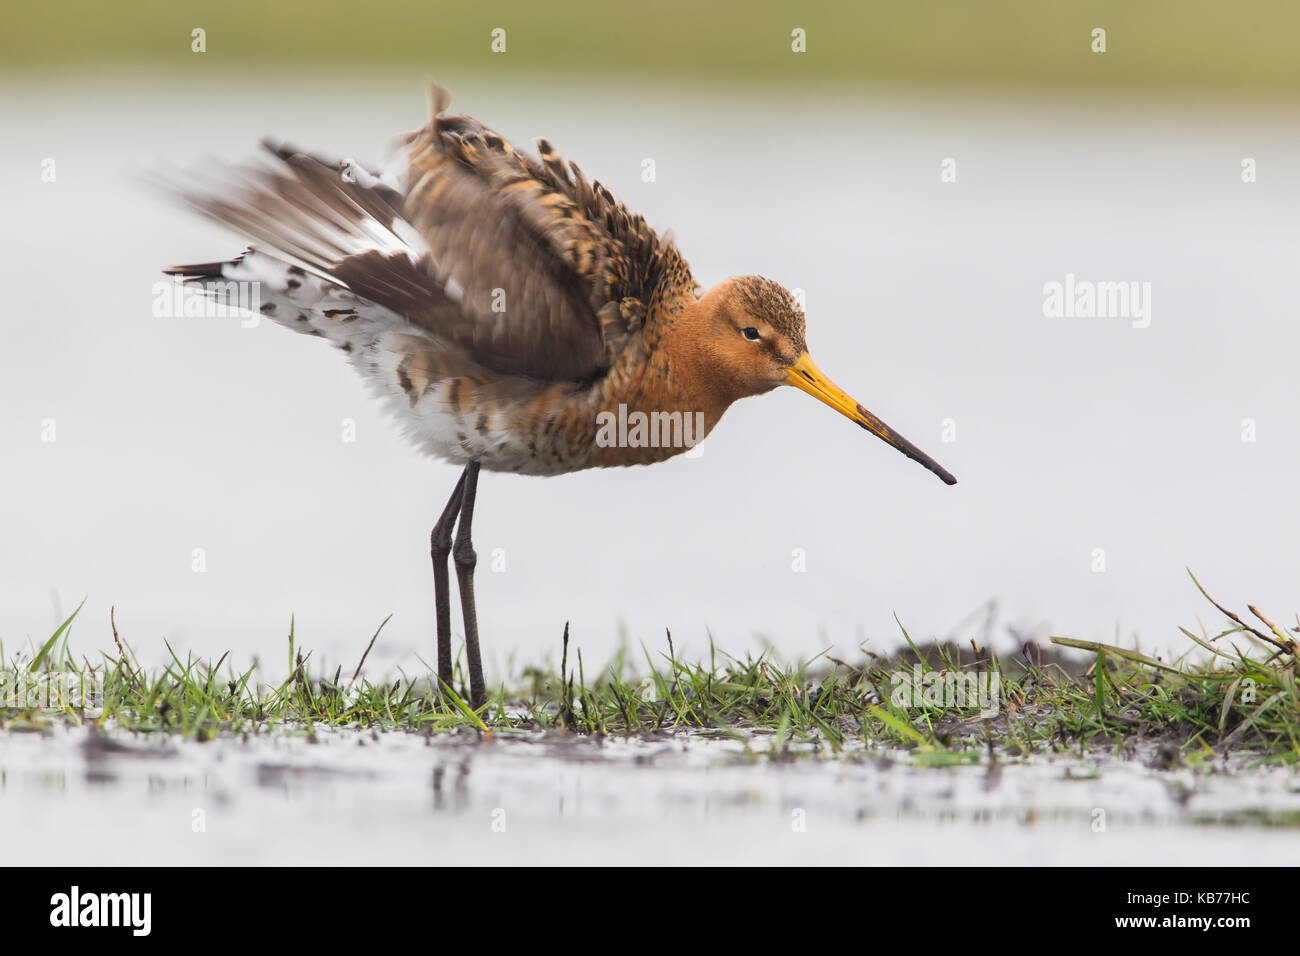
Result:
[680,799]
[459,787]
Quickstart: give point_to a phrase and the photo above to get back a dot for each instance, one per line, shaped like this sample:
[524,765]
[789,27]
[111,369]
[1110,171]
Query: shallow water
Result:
[353,797]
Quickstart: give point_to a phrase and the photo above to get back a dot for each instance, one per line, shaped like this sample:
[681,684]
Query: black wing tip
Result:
[279,148]
[202,270]
[199,270]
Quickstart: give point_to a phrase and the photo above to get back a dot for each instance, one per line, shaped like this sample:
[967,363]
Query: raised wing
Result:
[521,262]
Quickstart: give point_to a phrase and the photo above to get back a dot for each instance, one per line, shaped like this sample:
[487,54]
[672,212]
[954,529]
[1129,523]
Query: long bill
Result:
[806,376]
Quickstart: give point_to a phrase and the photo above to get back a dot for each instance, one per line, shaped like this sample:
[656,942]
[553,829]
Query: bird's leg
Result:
[440,549]
[465,558]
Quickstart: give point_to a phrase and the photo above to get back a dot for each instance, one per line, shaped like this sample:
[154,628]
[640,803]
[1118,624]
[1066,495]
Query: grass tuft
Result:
[1240,695]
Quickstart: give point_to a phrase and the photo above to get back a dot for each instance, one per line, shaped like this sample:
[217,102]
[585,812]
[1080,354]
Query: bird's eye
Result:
[750,333]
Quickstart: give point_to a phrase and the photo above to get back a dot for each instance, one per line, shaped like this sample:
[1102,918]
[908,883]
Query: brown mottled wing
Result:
[501,223]
[527,267]
[347,226]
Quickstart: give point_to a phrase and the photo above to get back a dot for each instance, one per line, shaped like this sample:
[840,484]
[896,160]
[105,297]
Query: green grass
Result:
[1241,697]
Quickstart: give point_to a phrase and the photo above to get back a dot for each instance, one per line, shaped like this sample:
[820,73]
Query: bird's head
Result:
[757,341]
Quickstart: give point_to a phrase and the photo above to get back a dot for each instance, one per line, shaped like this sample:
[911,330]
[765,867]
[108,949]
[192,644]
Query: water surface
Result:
[351,797]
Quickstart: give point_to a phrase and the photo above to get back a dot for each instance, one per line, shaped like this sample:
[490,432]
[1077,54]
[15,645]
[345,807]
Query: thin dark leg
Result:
[465,558]
[440,549]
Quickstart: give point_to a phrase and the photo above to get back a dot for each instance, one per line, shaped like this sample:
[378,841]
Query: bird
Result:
[511,314]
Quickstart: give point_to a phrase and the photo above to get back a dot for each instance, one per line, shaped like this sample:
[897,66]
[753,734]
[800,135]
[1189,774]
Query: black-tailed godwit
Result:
[514,316]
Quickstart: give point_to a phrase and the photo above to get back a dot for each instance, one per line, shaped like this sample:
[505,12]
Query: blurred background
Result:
[921,171]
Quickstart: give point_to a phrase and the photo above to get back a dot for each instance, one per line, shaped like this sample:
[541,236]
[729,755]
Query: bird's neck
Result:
[700,376]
